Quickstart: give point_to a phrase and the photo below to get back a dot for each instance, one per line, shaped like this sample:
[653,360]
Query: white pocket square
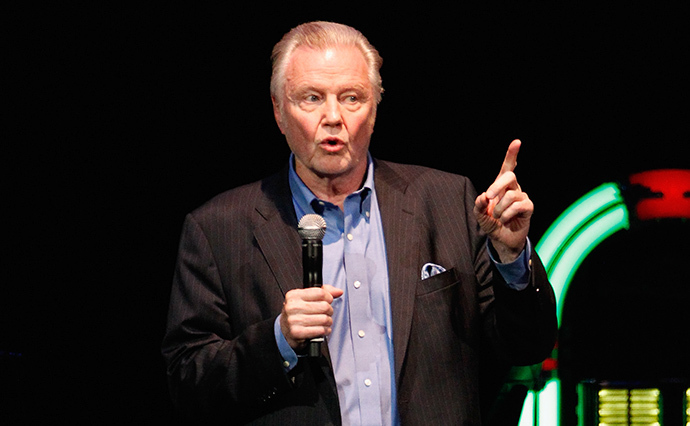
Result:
[431,269]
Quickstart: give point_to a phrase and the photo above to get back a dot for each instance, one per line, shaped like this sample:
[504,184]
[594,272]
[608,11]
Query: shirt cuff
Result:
[516,274]
[288,354]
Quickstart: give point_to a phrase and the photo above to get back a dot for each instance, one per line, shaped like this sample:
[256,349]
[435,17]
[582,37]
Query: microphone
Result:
[312,228]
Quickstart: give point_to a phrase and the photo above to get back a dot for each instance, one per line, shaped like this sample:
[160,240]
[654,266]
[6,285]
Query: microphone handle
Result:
[312,266]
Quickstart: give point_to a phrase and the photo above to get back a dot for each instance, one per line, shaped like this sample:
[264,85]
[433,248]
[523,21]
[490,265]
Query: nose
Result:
[332,115]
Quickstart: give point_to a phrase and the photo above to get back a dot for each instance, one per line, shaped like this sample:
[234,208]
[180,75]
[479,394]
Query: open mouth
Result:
[332,145]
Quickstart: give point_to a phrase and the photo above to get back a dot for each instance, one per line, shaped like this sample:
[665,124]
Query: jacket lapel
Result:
[397,216]
[276,232]
[278,239]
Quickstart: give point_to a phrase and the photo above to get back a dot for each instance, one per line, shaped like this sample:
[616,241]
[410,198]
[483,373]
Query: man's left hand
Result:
[504,211]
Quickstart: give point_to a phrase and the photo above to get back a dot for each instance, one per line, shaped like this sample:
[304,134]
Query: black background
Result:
[123,117]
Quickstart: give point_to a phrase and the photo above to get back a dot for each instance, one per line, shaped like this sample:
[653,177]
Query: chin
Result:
[334,170]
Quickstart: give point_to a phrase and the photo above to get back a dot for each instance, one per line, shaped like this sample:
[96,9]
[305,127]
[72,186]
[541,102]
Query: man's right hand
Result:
[307,314]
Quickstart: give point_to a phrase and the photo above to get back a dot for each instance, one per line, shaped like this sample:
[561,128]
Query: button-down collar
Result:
[306,202]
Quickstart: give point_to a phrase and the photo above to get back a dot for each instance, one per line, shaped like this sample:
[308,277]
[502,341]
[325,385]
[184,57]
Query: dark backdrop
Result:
[123,117]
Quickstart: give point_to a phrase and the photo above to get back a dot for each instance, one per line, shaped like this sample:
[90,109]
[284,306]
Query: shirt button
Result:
[360,333]
[367,213]
[350,237]
[286,364]
[367,382]
[357,284]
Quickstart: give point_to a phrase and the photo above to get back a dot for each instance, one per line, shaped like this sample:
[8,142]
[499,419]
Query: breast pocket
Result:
[437,282]
[446,301]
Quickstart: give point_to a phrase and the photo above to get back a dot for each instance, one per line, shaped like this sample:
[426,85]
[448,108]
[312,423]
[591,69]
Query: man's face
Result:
[327,112]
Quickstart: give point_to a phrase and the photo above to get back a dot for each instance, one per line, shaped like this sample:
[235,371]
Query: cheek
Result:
[303,124]
[363,128]
[300,135]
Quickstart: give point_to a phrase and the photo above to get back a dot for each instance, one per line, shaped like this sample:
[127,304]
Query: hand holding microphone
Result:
[307,313]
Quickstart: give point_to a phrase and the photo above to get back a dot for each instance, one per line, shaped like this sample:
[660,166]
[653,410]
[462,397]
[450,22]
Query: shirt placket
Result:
[364,339]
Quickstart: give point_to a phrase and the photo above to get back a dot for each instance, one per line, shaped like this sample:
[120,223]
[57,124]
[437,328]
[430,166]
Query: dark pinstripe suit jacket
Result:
[240,253]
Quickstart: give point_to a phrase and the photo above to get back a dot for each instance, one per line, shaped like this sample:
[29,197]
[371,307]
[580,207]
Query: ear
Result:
[277,114]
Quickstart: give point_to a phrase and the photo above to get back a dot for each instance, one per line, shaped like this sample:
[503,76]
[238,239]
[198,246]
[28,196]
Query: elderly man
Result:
[421,276]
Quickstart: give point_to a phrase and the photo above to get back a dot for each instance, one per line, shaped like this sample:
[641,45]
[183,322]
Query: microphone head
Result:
[311,227]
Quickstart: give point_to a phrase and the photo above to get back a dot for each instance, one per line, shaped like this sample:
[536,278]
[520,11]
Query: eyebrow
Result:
[306,88]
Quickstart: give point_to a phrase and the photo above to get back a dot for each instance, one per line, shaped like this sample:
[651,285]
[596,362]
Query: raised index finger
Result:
[510,161]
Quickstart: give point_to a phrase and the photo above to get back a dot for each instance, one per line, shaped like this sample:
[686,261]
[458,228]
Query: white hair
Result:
[321,35]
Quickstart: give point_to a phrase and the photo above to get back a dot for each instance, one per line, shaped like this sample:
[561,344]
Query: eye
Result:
[312,98]
[351,99]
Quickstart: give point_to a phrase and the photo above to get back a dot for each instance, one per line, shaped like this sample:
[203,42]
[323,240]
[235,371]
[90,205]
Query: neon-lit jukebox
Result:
[652,197]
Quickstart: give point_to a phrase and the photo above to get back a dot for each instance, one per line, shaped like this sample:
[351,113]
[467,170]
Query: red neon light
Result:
[672,185]
[549,364]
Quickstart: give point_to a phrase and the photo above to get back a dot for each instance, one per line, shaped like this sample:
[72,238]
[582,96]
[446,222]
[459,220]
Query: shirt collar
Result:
[306,202]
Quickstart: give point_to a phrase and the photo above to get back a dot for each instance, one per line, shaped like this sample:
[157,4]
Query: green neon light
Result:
[546,406]
[573,218]
[577,231]
[572,236]
[527,414]
[581,244]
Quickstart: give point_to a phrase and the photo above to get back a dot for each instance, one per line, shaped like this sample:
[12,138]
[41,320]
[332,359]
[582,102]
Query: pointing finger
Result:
[510,160]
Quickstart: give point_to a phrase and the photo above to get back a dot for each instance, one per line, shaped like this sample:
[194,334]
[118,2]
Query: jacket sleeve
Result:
[521,324]
[209,364]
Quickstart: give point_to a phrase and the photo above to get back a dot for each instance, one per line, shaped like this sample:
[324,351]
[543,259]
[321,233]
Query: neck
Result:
[333,189]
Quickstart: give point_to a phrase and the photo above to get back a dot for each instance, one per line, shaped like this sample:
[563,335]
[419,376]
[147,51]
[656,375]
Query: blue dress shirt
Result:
[361,344]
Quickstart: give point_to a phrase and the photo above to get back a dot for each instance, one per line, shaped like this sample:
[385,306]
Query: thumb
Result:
[335,292]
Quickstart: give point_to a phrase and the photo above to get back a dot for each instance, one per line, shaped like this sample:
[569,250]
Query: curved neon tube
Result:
[572,236]
[577,231]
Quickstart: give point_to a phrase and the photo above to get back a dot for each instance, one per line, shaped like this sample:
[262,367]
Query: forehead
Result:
[331,65]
